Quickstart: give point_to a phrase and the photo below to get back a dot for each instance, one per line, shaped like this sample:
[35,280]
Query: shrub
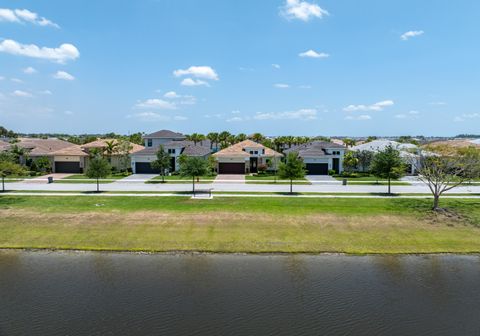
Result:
[331,172]
[262,168]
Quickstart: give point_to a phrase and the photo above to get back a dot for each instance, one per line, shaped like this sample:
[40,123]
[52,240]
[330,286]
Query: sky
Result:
[279,67]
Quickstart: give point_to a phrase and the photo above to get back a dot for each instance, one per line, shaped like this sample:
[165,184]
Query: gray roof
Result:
[195,150]
[165,134]
[380,145]
[314,148]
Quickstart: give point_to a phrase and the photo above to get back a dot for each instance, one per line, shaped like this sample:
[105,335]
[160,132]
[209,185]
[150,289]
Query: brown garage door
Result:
[231,168]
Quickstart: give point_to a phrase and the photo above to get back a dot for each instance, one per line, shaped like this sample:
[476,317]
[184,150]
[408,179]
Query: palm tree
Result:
[349,142]
[257,137]
[213,137]
[111,147]
[240,137]
[223,137]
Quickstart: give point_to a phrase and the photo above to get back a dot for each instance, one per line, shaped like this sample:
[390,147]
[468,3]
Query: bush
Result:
[331,172]
[262,168]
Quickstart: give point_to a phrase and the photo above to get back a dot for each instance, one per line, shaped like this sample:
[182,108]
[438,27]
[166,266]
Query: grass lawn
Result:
[81,178]
[239,224]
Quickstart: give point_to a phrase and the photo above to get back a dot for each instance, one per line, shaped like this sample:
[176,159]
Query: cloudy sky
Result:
[297,67]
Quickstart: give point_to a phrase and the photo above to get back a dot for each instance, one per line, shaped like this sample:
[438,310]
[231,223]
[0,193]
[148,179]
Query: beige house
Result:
[245,157]
[117,159]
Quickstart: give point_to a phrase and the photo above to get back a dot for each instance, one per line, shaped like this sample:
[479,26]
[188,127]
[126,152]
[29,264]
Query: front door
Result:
[253,165]
[172,164]
[336,165]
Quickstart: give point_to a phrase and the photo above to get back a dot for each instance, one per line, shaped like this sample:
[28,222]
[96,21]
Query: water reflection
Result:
[132,294]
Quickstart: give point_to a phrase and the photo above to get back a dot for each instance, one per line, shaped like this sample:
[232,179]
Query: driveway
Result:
[137,178]
[229,178]
[44,178]
[320,178]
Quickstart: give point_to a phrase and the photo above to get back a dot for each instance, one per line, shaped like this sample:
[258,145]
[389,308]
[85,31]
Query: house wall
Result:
[157,141]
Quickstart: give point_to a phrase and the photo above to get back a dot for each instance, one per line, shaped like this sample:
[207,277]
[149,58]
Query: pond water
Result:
[70,293]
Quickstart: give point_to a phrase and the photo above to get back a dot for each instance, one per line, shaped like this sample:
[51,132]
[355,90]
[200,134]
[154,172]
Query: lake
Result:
[75,293]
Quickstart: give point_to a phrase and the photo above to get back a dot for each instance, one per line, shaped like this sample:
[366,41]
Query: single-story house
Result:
[117,160]
[321,156]
[64,156]
[173,143]
[407,151]
[245,157]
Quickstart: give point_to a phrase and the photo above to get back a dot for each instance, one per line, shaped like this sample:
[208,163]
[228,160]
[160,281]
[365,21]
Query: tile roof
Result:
[314,148]
[195,150]
[41,147]
[102,143]
[379,145]
[237,150]
[74,150]
[165,134]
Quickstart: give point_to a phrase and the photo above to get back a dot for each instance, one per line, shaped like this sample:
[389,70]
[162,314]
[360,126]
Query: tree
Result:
[350,162]
[292,168]
[349,142]
[98,168]
[444,172]
[162,162]
[111,147]
[124,148]
[193,166]
[365,158]
[44,164]
[371,138]
[257,137]
[213,137]
[223,137]
[388,164]
[240,137]
[136,138]
[8,167]
[195,137]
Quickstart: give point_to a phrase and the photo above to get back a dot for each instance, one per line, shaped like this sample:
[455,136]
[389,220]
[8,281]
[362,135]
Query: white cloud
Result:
[46,92]
[205,72]
[281,86]
[193,82]
[276,66]
[149,116]
[305,87]
[29,70]
[217,115]
[235,112]
[69,112]
[438,103]
[374,107]
[171,95]
[156,104]
[63,75]
[410,115]
[16,80]
[24,15]
[411,33]
[313,54]
[302,114]
[360,117]
[234,119]
[19,93]
[2,77]
[302,10]
[466,116]
[62,54]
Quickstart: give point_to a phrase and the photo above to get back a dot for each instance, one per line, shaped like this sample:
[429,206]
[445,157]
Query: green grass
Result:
[272,179]
[81,178]
[232,224]
[180,179]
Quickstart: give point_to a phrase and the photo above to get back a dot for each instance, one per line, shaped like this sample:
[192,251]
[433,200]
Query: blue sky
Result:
[296,67]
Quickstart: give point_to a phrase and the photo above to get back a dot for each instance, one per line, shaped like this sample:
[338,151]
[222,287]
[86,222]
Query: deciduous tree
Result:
[292,168]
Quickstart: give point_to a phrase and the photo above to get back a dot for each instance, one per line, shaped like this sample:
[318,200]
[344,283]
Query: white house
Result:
[320,157]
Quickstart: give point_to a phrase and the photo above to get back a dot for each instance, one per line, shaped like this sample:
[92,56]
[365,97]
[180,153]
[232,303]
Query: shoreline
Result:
[220,253]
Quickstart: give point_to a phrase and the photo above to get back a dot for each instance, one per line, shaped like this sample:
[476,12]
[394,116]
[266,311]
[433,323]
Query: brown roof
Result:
[195,150]
[102,143]
[74,150]
[40,147]
[165,134]
[237,150]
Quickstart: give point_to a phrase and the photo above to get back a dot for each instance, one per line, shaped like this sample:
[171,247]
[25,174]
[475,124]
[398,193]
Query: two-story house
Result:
[320,156]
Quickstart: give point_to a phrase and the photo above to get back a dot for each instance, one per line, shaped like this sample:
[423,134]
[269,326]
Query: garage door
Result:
[145,168]
[67,167]
[317,168]
[231,168]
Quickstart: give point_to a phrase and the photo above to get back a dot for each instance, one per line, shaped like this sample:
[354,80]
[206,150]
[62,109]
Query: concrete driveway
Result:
[321,178]
[137,178]
[230,178]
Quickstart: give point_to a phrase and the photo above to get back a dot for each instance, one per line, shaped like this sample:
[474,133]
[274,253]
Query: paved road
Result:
[232,187]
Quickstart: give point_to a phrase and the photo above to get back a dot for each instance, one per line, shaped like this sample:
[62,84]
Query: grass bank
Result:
[239,224]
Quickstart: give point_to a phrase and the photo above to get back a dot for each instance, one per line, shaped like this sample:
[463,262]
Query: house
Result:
[175,144]
[64,156]
[321,156]
[117,159]
[407,151]
[245,157]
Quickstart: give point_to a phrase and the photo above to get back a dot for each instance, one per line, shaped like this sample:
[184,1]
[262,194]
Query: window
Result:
[171,151]
[251,152]
[149,142]
[256,152]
